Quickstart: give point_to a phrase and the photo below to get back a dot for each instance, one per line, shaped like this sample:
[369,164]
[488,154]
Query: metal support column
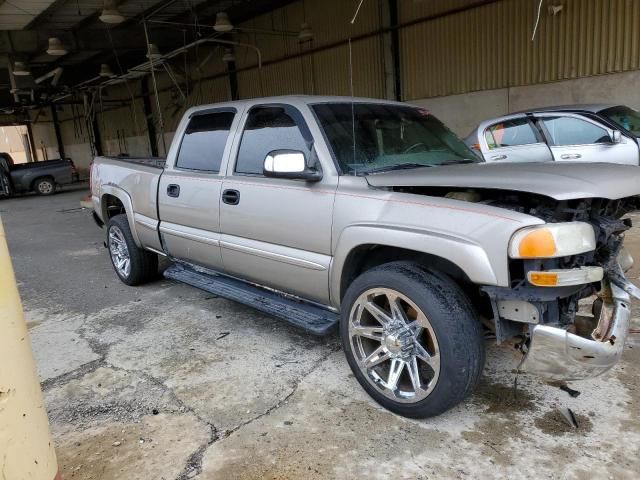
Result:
[148,115]
[56,128]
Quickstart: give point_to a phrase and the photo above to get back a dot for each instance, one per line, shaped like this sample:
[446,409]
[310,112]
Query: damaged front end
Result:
[569,303]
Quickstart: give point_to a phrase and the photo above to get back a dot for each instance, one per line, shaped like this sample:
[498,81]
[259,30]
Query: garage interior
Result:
[167,382]
[96,91]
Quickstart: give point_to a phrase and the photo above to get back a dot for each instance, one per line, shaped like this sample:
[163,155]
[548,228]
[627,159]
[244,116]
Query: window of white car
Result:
[574,131]
[510,133]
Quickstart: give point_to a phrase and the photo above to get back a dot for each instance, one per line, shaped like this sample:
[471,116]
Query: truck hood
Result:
[561,181]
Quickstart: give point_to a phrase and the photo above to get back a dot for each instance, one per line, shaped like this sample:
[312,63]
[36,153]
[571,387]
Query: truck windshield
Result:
[625,117]
[369,137]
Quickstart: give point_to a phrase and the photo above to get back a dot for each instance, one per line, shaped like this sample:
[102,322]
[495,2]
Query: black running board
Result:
[311,318]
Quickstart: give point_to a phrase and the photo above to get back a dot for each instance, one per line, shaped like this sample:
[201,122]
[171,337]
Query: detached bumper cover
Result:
[557,354]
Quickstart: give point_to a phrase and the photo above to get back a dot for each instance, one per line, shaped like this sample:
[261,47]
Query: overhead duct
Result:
[54,75]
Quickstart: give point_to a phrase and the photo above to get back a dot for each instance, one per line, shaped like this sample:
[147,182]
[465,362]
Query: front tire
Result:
[412,339]
[44,186]
[133,265]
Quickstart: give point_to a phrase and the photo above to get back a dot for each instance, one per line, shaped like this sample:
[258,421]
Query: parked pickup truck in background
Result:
[40,177]
[374,216]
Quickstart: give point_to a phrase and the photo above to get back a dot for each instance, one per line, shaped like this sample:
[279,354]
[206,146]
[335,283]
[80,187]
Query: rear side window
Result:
[204,140]
[574,131]
[510,133]
[267,129]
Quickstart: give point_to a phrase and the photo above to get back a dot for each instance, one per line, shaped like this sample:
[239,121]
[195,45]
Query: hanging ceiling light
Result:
[153,53]
[56,47]
[111,14]
[105,71]
[305,35]
[223,24]
[20,69]
[228,56]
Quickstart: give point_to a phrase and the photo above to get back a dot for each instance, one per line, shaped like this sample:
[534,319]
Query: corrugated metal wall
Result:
[490,46]
[326,71]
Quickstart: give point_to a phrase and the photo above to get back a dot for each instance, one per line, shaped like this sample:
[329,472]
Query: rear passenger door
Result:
[515,139]
[575,138]
[189,190]
[275,231]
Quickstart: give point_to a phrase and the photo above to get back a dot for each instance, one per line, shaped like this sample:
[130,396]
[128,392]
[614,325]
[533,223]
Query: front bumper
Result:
[558,354]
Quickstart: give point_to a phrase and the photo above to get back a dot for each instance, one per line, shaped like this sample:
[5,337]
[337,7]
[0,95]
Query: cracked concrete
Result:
[167,382]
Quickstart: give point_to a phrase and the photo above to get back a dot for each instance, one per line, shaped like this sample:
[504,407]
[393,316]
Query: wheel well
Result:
[41,177]
[366,257]
[112,206]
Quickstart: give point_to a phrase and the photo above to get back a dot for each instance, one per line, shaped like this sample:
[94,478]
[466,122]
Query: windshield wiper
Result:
[455,162]
[400,166]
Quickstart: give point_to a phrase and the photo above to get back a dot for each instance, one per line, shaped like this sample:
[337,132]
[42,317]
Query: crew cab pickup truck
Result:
[40,177]
[371,216]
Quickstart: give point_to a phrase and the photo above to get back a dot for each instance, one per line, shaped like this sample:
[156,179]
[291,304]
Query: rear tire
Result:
[44,186]
[132,264]
[422,358]
[5,186]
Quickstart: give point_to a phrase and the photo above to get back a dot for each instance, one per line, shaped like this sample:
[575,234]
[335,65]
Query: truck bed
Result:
[157,162]
[134,181]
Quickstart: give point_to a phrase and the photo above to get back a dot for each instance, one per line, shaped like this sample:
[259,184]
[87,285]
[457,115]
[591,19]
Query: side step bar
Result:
[309,317]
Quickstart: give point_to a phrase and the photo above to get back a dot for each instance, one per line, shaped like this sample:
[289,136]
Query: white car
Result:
[579,133]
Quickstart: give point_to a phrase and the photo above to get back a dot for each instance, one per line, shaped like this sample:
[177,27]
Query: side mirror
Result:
[616,136]
[290,164]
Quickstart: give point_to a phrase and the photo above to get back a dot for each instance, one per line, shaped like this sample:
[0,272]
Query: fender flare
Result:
[123,196]
[470,257]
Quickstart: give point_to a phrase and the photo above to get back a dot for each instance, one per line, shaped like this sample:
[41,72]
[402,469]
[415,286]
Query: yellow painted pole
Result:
[26,449]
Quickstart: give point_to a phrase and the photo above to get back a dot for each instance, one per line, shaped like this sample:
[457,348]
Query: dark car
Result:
[40,177]
[580,133]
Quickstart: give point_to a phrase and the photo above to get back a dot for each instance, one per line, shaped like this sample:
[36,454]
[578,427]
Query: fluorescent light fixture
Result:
[223,24]
[305,34]
[111,14]
[20,69]
[56,47]
[228,56]
[105,71]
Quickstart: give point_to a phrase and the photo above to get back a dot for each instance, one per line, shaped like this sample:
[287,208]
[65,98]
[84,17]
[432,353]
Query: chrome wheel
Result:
[394,345]
[119,252]
[45,187]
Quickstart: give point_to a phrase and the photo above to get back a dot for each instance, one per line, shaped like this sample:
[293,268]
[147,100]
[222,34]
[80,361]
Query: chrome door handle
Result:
[570,156]
[499,157]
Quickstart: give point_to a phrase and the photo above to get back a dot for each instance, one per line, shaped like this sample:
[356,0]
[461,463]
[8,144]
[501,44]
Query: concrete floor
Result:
[167,382]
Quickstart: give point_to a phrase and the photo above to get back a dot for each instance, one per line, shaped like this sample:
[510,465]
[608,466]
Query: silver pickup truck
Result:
[373,217]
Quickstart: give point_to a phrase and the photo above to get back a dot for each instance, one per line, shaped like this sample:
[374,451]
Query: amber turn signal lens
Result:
[538,243]
[543,279]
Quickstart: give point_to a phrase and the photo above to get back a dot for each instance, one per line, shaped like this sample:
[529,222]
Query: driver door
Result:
[276,232]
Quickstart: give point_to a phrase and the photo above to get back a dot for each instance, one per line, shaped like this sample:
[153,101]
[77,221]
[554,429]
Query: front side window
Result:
[574,131]
[369,137]
[510,133]
[270,128]
[204,140]
[624,117]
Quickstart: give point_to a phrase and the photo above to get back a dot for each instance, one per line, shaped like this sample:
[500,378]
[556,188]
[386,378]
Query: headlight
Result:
[553,240]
